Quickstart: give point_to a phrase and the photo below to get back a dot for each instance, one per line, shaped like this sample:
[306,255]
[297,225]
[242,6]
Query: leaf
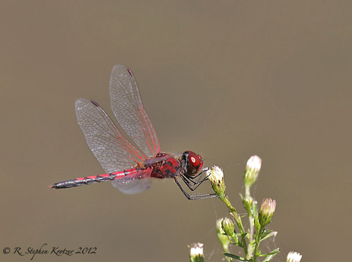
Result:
[272,253]
[268,234]
[268,258]
[235,257]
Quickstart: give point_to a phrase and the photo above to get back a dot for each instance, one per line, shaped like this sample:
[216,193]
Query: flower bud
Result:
[228,226]
[254,164]
[293,257]
[196,252]
[266,211]
[224,240]
[248,202]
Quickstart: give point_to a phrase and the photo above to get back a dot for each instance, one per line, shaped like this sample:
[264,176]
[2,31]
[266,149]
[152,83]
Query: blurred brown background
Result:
[226,79]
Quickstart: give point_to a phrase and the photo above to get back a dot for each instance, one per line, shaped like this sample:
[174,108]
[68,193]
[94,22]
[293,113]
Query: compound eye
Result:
[195,163]
[194,159]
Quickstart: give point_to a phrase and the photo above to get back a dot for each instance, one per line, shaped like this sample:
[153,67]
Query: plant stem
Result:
[257,241]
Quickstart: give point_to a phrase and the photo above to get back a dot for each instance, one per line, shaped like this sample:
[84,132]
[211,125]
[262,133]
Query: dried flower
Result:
[216,178]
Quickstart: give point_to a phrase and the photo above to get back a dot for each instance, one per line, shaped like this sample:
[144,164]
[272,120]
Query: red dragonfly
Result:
[129,169]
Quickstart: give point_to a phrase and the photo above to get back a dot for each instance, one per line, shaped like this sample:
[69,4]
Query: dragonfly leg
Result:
[200,173]
[190,184]
[193,184]
[200,180]
[194,197]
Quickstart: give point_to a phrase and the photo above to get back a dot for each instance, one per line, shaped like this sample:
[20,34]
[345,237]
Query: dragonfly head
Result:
[192,163]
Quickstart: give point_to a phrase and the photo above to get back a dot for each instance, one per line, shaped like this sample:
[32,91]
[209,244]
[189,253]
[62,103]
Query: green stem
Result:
[247,191]
[257,241]
[234,214]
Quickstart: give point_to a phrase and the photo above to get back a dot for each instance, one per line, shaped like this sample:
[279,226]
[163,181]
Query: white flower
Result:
[293,257]
[196,250]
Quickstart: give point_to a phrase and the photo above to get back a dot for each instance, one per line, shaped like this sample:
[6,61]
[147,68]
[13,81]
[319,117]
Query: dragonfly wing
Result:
[104,139]
[134,184]
[127,106]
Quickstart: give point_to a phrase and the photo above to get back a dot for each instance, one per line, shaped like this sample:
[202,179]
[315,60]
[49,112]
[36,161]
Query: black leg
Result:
[194,197]
[200,179]
[190,184]
[200,173]
[194,184]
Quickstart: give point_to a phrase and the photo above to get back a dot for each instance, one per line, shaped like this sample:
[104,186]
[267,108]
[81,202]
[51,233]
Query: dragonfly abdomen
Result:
[89,180]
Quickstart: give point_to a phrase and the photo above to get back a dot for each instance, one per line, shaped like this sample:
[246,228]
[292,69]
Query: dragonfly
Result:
[128,167]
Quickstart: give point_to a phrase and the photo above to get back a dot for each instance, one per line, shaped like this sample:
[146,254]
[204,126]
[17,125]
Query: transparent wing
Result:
[127,106]
[104,139]
[134,184]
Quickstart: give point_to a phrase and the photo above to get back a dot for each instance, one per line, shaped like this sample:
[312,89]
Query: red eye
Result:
[195,160]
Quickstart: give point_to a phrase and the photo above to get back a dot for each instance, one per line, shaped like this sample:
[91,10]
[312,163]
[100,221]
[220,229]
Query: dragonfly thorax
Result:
[164,166]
